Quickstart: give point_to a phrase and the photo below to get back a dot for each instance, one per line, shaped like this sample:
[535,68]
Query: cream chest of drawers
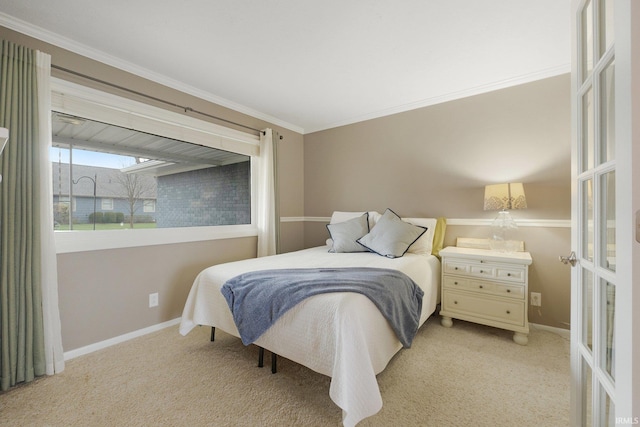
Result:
[486,287]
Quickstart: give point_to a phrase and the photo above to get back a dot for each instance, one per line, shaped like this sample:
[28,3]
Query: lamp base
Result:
[503,229]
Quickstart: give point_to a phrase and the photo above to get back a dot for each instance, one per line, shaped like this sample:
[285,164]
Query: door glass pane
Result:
[587,397]
[587,145]
[606,25]
[607,114]
[608,215]
[587,40]
[587,308]
[607,410]
[608,294]
[587,219]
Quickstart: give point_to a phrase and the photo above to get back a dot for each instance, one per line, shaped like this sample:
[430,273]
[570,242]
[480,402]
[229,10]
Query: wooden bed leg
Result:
[213,333]
[274,361]
[260,357]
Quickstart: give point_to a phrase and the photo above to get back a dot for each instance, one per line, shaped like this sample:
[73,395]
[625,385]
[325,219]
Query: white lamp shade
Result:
[504,197]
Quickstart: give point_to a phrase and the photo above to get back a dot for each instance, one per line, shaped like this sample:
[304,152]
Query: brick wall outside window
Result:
[213,196]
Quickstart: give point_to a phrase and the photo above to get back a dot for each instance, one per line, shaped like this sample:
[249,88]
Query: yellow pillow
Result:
[438,236]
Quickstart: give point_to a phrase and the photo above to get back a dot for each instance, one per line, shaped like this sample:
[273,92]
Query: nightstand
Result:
[486,287]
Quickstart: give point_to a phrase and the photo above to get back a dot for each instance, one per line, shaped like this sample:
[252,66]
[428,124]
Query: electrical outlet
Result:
[153,300]
[536,299]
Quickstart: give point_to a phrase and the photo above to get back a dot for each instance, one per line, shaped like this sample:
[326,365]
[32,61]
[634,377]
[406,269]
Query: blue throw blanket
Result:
[257,299]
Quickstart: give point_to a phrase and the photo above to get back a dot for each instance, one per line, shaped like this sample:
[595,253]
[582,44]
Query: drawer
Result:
[453,282]
[516,275]
[505,311]
[482,270]
[501,289]
[483,287]
[454,267]
[457,283]
[485,270]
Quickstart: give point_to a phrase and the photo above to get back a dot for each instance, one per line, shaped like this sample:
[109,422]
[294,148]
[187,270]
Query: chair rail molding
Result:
[550,223]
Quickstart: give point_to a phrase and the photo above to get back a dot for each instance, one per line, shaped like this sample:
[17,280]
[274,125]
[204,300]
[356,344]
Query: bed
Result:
[342,335]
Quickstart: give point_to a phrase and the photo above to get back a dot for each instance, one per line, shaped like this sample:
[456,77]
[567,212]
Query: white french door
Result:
[594,215]
[605,373]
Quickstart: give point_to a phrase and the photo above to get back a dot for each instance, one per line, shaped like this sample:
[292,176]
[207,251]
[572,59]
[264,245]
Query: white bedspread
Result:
[342,335]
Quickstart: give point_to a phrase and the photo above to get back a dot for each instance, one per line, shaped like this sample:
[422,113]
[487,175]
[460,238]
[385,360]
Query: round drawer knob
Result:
[455,268]
[508,312]
[480,286]
[455,283]
[481,271]
[455,302]
[508,274]
[508,290]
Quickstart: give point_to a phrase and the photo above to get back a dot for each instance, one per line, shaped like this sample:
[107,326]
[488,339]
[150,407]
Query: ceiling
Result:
[312,65]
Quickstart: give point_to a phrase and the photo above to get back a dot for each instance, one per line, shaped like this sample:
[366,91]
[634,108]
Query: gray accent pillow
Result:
[391,236]
[344,234]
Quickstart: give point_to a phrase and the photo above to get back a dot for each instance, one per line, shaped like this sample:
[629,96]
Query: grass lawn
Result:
[118,226]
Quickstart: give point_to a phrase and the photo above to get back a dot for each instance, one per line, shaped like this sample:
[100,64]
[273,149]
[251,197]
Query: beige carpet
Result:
[468,375]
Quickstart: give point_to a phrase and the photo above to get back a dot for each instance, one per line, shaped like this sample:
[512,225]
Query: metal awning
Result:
[166,155]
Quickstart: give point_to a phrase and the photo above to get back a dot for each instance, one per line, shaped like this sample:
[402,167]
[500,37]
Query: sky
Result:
[91,158]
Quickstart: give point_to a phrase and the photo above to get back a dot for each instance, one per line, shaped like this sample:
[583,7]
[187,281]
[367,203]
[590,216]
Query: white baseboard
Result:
[564,333]
[68,355]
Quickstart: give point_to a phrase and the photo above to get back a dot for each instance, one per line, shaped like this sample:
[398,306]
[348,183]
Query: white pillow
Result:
[374,217]
[339,216]
[391,237]
[344,234]
[424,245]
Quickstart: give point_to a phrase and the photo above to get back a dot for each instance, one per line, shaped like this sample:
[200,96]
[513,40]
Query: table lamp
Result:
[503,198]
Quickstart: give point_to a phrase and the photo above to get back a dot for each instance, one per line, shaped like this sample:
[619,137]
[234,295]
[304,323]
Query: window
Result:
[106,204]
[149,206]
[128,165]
[145,180]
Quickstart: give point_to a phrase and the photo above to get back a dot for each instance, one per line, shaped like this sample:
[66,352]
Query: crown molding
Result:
[81,49]
[108,59]
[452,96]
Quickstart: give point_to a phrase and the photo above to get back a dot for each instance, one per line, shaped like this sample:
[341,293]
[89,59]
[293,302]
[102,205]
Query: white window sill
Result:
[81,241]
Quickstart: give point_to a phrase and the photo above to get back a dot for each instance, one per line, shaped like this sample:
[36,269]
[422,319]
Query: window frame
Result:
[148,205]
[71,98]
[106,204]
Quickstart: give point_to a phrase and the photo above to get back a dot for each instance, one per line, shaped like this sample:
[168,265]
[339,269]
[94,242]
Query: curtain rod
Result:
[186,109]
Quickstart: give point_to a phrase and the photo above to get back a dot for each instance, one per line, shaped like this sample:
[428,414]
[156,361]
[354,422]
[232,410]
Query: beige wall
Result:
[435,161]
[431,161]
[104,294]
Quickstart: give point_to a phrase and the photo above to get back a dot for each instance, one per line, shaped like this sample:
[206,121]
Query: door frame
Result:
[627,320]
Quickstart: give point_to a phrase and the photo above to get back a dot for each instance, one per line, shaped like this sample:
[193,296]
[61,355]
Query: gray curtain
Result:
[22,355]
